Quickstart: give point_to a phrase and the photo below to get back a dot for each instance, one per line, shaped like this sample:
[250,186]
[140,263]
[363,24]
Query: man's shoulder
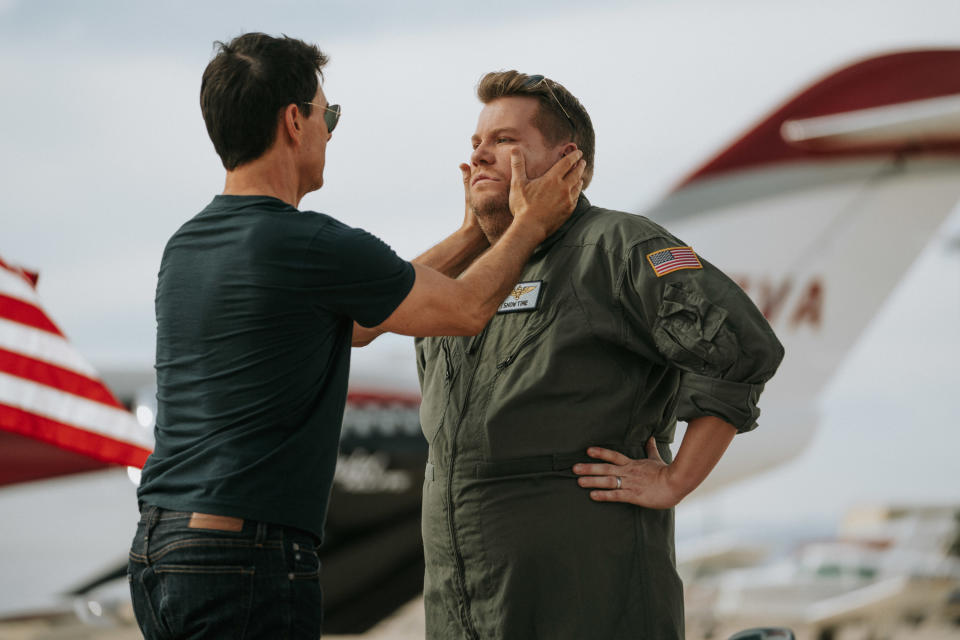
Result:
[231,212]
[310,228]
[290,231]
[614,230]
[323,221]
[333,235]
[260,226]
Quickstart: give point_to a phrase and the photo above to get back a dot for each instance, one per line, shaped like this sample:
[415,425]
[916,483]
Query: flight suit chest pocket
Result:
[518,335]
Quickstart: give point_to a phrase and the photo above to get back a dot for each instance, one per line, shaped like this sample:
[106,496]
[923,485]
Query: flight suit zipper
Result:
[474,347]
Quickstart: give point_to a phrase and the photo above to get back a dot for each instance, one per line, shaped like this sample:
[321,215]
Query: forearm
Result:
[456,252]
[451,256]
[488,281]
[704,442]
[442,306]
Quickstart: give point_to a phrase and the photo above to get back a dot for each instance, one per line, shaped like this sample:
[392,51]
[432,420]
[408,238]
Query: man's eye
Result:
[501,139]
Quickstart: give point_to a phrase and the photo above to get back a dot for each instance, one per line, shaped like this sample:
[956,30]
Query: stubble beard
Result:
[494,217]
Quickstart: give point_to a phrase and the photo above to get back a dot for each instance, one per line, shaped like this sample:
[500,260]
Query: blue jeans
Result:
[241,581]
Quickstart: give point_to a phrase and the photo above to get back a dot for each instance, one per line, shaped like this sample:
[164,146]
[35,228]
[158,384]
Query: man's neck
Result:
[269,175]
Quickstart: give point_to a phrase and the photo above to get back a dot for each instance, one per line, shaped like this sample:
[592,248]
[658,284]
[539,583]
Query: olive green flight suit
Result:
[592,348]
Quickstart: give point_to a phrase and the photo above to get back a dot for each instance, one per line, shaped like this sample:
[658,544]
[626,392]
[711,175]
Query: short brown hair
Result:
[246,85]
[553,123]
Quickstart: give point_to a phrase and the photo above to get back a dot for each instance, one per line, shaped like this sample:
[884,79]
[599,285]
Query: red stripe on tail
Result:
[57,377]
[71,438]
[30,276]
[26,314]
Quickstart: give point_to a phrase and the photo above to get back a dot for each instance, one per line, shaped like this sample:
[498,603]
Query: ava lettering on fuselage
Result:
[781,301]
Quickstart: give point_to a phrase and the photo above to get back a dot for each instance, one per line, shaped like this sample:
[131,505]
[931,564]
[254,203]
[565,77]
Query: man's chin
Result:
[494,217]
[490,203]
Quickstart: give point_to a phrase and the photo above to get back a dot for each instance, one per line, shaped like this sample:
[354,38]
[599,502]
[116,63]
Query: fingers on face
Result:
[563,168]
[518,167]
[572,176]
[569,165]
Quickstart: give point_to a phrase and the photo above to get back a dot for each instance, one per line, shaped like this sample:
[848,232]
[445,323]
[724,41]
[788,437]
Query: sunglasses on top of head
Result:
[537,79]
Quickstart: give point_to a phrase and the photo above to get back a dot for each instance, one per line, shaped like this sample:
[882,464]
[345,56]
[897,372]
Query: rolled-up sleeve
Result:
[693,317]
[735,402]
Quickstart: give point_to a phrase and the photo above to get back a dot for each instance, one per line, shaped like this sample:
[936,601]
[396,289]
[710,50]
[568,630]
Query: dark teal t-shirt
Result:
[255,307]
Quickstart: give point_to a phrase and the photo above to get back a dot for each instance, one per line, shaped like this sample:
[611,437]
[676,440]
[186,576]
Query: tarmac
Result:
[406,623]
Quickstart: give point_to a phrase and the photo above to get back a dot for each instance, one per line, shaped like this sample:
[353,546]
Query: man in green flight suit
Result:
[615,331]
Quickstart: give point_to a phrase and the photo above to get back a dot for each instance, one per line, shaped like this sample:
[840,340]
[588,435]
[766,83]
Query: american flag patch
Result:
[673,259]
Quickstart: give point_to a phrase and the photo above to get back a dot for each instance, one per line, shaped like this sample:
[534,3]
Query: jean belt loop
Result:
[261,536]
[153,517]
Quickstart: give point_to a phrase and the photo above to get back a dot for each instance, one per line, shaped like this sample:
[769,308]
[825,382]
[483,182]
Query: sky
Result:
[104,155]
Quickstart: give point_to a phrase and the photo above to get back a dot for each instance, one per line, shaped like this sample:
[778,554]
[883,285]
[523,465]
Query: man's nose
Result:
[481,155]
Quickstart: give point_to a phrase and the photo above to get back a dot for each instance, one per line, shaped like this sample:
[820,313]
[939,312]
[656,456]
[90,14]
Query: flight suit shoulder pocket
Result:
[692,332]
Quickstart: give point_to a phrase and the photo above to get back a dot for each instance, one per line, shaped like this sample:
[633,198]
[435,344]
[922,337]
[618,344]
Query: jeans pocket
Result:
[196,599]
[305,564]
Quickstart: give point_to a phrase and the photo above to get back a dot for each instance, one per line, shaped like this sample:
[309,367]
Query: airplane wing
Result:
[817,212]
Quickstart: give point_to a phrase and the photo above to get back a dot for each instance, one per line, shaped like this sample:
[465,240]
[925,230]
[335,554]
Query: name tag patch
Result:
[524,297]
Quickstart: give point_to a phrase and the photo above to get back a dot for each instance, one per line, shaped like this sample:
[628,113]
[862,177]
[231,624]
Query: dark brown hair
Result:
[551,121]
[247,84]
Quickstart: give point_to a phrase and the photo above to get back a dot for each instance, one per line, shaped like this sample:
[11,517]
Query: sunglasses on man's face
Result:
[331,115]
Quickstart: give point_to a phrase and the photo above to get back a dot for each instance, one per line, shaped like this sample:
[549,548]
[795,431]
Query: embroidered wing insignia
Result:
[519,291]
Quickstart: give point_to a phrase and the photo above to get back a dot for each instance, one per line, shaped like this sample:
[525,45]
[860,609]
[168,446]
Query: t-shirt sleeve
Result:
[701,322]
[364,278]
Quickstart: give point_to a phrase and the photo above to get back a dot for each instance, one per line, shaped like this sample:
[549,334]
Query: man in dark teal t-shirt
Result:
[257,306]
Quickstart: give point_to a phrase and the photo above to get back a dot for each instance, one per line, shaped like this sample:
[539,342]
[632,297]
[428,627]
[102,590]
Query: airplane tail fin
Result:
[818,212]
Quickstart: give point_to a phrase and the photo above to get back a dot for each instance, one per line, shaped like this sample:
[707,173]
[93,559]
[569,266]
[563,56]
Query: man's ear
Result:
[568,148]
[291,123]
